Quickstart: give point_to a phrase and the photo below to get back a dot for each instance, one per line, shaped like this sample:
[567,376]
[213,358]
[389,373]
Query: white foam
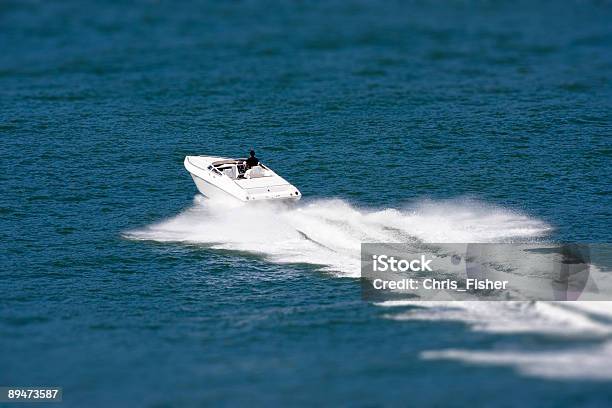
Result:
[571,321]
[329,232]
[553,318]
[591,363]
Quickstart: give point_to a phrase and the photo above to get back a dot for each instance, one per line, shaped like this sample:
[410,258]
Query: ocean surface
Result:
[441,121]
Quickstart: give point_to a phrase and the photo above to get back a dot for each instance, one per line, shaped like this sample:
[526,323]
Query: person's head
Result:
[252,153]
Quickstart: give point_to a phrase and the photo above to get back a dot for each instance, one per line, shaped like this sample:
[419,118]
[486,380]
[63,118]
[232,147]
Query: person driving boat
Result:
[252,161]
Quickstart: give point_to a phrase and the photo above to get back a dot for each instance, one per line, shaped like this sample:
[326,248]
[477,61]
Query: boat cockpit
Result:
[237,169]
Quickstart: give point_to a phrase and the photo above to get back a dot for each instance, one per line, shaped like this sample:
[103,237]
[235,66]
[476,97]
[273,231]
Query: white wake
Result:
[329,232]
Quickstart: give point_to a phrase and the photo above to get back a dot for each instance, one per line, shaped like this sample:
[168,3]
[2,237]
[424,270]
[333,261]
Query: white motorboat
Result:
[219,177]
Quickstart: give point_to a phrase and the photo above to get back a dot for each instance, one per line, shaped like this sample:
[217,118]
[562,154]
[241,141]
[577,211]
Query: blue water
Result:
[448,121]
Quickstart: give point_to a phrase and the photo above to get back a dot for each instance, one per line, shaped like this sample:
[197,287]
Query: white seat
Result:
[255,172]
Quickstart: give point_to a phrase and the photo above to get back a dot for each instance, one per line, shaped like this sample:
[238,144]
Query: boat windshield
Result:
[237,169]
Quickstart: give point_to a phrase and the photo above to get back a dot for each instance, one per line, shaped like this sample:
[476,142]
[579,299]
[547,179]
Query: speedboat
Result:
[221,177]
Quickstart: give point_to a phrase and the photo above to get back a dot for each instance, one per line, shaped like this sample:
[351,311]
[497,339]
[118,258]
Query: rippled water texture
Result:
[455,121]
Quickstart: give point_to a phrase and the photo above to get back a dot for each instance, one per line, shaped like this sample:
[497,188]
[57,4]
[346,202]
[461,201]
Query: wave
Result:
[586,327]
[561,319]
[329,233]
[582,363]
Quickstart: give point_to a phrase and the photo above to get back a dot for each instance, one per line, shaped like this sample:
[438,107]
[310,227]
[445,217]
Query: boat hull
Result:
[210,190]
[214,185]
